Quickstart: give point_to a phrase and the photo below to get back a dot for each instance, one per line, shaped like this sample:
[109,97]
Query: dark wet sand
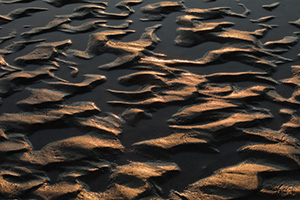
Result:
[149,99]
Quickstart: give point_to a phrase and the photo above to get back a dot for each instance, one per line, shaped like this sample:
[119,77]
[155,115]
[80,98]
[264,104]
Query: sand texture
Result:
[149,100]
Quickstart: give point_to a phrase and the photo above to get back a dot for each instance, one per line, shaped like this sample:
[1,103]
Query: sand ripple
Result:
[99,101]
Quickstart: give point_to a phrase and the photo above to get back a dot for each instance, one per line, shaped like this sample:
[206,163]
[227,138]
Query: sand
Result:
[149,100]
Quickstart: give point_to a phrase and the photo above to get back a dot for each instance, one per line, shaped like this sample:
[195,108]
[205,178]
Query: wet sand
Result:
[149,99]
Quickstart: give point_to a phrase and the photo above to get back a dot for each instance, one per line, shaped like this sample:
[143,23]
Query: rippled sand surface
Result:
[132,99]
